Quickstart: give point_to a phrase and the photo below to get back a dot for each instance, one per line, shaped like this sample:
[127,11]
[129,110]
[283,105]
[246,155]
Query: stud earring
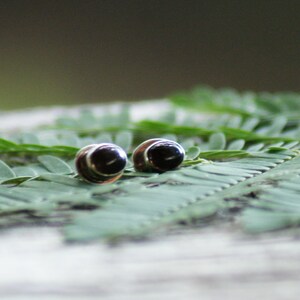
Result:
[157,155]
[101,163]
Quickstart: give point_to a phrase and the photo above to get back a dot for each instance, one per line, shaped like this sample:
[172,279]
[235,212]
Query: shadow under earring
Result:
[101,163]
[158,155]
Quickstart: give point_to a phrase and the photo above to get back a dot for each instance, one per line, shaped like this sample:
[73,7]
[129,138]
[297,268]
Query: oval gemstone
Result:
[108,160]
[165,155]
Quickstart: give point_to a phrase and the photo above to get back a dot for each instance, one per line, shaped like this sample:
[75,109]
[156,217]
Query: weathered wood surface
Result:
[206,264]
[219,263]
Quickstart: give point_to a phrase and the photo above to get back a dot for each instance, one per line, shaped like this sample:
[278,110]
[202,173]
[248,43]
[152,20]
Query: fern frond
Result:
[167,198]
[242,163]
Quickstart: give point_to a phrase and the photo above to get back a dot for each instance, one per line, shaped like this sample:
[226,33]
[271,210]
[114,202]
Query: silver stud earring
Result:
[101,163]
[158,155]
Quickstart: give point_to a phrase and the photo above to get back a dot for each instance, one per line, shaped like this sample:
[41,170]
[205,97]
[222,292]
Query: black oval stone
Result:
[108,160]
[165,155]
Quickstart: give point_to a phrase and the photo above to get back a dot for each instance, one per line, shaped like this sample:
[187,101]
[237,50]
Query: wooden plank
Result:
[210,264]
[216,263]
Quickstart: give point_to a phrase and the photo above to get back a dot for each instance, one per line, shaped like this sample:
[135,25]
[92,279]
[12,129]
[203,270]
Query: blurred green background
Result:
[68,52]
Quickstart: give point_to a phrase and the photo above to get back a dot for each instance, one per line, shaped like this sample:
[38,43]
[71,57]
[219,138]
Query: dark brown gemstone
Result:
[108,159]
[165,155]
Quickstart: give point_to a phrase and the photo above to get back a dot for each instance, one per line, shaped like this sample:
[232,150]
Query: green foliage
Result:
[242,165]
[248,104]
[195,192]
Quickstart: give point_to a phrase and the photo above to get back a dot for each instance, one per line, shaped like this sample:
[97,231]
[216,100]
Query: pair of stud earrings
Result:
[105,163]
